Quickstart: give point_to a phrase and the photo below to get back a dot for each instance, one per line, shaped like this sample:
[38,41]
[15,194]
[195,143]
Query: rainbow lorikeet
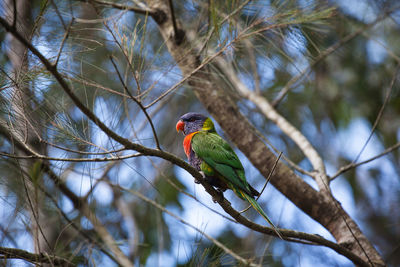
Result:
[214,157]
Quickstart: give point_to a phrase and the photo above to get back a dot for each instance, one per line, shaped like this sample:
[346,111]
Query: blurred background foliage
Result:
[335,105]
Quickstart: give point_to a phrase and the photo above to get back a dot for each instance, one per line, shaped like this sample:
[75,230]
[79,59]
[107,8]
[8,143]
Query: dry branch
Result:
[41,258]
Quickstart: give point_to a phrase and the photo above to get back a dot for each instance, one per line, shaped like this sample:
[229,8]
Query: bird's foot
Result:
[219,197]
[202,174]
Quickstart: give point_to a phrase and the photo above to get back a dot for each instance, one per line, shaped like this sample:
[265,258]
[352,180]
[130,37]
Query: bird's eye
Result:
[192,119]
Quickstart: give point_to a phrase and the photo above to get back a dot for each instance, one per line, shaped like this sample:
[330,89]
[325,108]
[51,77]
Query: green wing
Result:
[219,155]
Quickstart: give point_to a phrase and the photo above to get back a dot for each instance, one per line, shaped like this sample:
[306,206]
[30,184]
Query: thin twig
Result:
[380,113]
[84,235]
[14,23]
[288,161]
[66,34]
[212,30]
[354,165]
[188,194]
[138,103]
[123,52]
[83,152]
[174,25]
[88,237]
[266,182]
[163,209]
[123,7]
[34,209]
[117,158]
[59,14]
[270,175]
[41,258]
[94,84]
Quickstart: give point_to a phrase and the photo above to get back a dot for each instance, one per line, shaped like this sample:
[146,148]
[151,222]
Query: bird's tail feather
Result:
[258,208]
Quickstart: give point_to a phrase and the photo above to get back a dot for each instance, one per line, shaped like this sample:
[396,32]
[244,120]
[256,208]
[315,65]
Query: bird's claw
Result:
[202,174]
[220,196]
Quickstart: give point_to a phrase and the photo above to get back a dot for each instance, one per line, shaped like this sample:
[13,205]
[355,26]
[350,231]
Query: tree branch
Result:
[139,103]
[41,258]
[144,11]
[287,128]
[354,165]
[163,209]
[380,113]
[34,157]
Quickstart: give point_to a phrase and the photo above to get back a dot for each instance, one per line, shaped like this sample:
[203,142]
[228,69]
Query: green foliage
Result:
[36,172]
[169,185]
[154,231]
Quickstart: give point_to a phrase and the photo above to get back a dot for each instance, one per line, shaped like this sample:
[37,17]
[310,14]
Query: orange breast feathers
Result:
[187,143]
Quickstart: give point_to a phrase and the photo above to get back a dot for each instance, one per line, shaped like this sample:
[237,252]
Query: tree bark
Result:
[321,206]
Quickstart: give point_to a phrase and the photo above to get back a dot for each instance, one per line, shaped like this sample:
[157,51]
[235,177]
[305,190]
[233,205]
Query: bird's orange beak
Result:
[180,126]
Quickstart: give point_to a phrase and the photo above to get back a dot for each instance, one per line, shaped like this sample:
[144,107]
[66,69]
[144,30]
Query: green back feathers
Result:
[219,155]
[219,160]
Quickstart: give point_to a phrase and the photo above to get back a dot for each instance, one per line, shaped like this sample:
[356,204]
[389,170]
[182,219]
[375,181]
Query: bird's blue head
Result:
[193,122]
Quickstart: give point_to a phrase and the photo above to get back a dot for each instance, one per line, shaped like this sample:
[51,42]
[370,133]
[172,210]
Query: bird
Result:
[211,155]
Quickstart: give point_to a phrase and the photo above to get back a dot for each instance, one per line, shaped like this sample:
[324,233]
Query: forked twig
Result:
[66,34]
[354,165]
[138,103]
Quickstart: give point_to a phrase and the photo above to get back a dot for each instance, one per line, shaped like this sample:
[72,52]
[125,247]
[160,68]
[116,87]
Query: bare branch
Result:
[83,152]
[178,33]
[269,112]
[59,15]
[94,84]
[116,158]
[266,182]
[190,195]
[380,113]
[144,11]
[354,165]
[41,258]
[289,235]
[138,103]
[163,209]
[67,31]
